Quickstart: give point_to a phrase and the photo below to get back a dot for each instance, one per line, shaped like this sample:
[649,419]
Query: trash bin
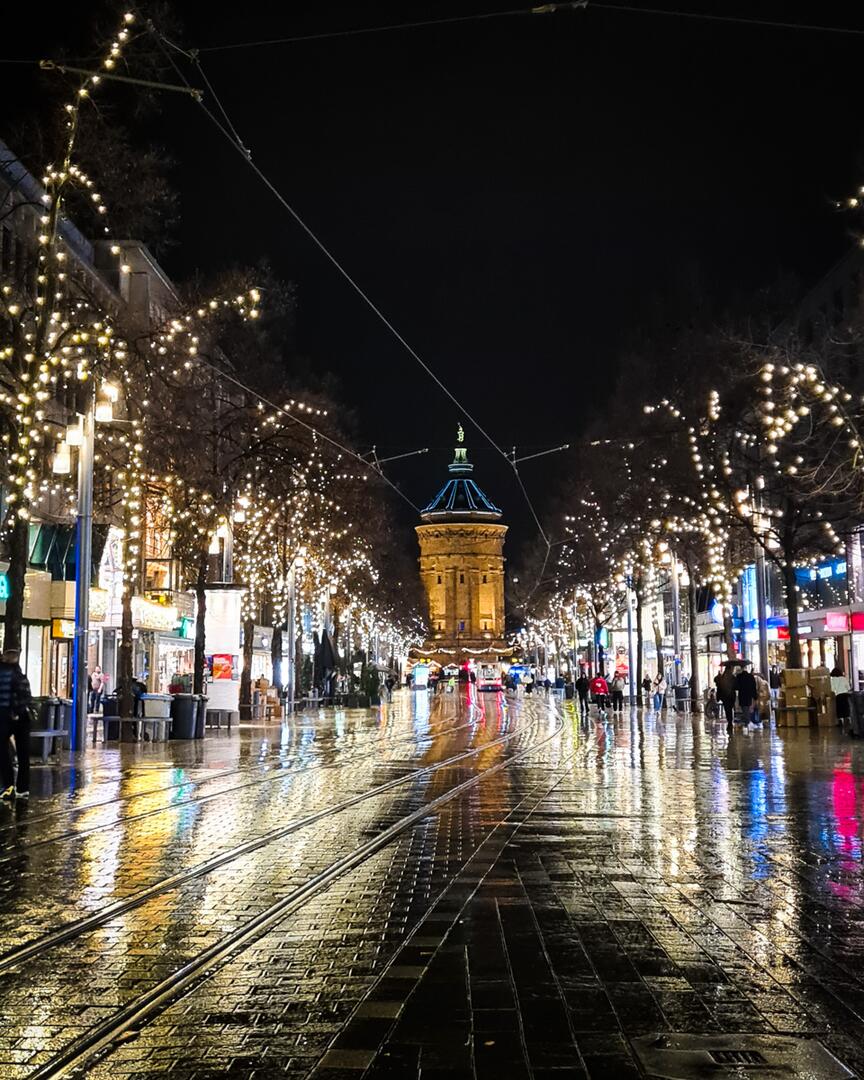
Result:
[63,720]
[184,709]
[569,691]
[200,714]
[111,717]
[856,710]
[682,698]
[46,713]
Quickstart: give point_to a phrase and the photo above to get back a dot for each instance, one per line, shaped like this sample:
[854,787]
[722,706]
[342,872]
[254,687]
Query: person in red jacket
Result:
[600,692]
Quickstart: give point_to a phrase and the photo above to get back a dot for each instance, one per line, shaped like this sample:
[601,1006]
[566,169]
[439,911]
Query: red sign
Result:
[782,633]
[837,621]
[858,620]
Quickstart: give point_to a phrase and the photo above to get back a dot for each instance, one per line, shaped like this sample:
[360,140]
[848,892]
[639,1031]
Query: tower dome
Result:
[460,499]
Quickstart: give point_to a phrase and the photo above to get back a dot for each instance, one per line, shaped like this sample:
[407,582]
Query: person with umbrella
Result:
[724,681]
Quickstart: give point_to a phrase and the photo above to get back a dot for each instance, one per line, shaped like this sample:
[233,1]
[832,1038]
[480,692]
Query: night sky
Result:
[515,193]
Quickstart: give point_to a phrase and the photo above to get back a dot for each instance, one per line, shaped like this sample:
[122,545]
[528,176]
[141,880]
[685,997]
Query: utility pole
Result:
[631,672]
[291,681]
[761,603]
[83,561]
[676,624]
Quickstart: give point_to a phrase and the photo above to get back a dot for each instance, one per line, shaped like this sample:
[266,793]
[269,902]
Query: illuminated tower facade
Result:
[462,569]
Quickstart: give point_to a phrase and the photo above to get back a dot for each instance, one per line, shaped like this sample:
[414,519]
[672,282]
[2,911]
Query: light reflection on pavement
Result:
[634,875]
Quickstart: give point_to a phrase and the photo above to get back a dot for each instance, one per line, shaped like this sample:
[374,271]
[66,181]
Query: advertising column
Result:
[222,644]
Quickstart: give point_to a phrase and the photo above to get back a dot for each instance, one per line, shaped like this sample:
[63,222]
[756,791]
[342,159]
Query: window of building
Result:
[461,624]
[461,579]
[484,579]
[439,579]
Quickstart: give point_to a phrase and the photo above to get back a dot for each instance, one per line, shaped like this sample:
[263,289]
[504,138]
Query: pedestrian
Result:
[529,683]
[646,690]
[745,688]
[389,682]
[547,684]
[774,682]
[763,699]
[724,681]
[842,689]
[600,693]
[15,701]
[617,687]
[582,686]
[95,684]
[659,686]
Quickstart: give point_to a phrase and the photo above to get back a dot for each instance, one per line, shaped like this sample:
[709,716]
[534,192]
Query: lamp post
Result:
[676,624]
[83,560]
[631,673]
[297,563]
[83,435]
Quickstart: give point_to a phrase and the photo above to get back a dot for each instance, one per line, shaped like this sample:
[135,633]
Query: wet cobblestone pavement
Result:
[483,890]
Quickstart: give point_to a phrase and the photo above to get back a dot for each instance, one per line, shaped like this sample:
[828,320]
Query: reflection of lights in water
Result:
[758,829]
[339,723]
[420,712]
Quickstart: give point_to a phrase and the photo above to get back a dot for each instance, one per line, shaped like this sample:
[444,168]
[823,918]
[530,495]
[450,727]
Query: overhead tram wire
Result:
[420,24]
[537,9]
[322,247]
[309,427]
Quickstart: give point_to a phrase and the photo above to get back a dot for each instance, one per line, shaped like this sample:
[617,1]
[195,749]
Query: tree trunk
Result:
[200,615]
[790,588]
[658,645]
[276,657]
[728,636]
[246,673]
[695,688]
[639,642]
[18,550]
[124,653]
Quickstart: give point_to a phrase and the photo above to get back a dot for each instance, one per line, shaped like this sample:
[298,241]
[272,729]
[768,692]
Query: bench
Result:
[214,718]
[160,727]
[46,736]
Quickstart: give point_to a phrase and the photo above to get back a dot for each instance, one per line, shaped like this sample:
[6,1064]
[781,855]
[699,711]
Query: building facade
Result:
[462,569]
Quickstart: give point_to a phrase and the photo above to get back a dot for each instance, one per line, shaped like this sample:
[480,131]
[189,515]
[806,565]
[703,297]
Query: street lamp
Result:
[82,434]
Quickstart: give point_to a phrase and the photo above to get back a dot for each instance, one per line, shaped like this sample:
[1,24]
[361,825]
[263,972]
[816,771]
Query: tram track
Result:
[69,931]
[278,772]
[85,807]
[147,1005]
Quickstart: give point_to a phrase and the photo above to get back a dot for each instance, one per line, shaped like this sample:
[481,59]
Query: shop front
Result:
[36,624]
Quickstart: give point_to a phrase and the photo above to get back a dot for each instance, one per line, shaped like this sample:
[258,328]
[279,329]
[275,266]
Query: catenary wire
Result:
[389,27]
[309,427]
[540,9]
[775,24]
[237,144]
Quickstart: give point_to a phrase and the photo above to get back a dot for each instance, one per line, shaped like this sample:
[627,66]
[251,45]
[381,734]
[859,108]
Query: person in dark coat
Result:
[581,685]
[15,701]
[747,690]
[725,684]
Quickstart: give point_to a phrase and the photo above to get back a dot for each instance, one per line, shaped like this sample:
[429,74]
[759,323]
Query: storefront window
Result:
[824,585]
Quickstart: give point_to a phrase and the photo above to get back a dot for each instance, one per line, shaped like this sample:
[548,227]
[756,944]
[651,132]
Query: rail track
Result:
[280,771]
[148,1005]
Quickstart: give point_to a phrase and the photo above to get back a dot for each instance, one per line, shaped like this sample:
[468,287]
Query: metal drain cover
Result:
[673,1056]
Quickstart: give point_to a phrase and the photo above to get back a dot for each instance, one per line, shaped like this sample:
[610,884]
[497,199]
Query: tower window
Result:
[461,579]
[461,624]
[439,579]
[484,579]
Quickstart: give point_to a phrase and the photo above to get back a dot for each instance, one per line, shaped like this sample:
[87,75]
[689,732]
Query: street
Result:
[486,887]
